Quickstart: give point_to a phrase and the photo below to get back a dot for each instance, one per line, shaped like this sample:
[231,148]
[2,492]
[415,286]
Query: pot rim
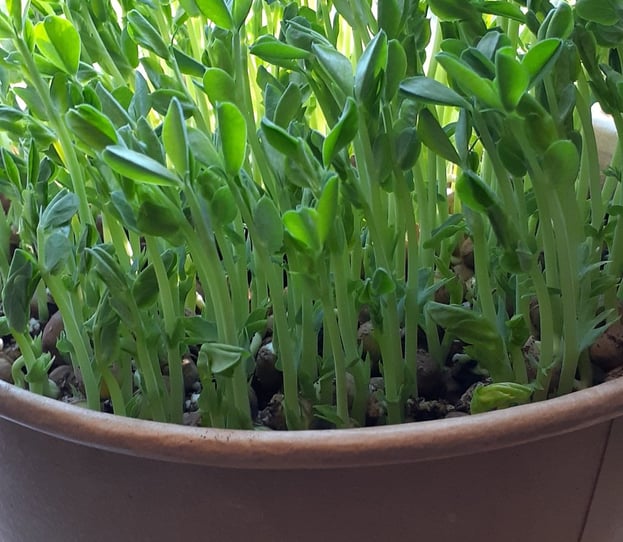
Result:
[338,448]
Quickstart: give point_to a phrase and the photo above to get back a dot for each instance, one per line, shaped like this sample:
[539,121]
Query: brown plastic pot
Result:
[544,472]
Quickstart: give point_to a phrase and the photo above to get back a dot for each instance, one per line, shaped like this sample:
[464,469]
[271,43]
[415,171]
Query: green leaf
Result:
[540,58]
[454,224]
[397,66]
[272,50]
[240,11]
[474,329]
[91,127]
[15,9]
[175,138]
[561,23]
[606,12]
[268,225]
[302,226]
[561,163]
[190,7]
[188,65]
[335,65]
[453,10]
[223,358]
[218,85]
[371,70]
[158,216]
[18,290]
[161,100]
[468,80]
[233,135]
[430,91]
[382,283]
[499,395]
[57,252]
[407,147]
[59,42]
[217,12]
[474,192]
[511,77]
[10,168]
[289,105]
[202,148]
[389,15]
[145,288]
[327,208]
[501,8]
[434,137]
[223,206]
[146,35]
[108,269]
[138,167]
[60,210]
[280,138]
[342,133]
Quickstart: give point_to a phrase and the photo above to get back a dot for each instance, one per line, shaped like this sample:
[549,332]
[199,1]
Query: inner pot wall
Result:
[526,473]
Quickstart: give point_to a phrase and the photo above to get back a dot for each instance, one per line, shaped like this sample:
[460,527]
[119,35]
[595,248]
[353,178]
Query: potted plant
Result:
[256,216]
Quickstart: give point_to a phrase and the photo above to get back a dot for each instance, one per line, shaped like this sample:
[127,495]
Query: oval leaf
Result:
[430,91]
[175,138]
[138,167]
[233,132]
[59,42]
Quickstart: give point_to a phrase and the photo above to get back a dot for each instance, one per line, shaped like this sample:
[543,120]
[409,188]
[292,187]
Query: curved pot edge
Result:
[405,443]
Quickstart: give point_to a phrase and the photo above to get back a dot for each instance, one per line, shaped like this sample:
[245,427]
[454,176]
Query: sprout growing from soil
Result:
[309,214]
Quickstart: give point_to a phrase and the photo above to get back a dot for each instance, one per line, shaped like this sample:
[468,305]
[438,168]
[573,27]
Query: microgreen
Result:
[209,179]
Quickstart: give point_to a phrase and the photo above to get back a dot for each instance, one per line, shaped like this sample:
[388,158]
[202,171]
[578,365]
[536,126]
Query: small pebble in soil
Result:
[5,369]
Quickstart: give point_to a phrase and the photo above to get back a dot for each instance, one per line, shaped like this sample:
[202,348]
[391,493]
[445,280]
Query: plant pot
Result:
[544,472]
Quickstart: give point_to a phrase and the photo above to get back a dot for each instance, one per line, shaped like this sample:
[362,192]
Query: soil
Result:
[444,391]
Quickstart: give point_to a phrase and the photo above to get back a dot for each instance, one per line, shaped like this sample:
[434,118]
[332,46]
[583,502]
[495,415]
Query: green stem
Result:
[66,144]
[30,360]
[170,310]
[339,359]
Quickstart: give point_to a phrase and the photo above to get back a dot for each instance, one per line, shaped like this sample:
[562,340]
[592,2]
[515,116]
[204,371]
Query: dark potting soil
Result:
[444,391]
